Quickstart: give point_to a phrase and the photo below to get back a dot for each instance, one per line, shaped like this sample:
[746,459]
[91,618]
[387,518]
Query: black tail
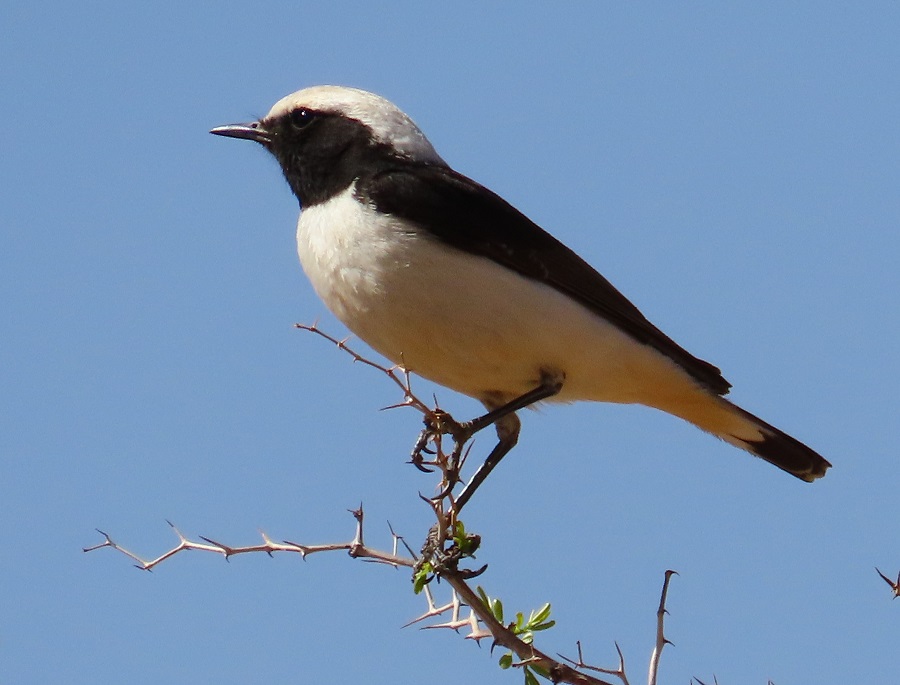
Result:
[779,448]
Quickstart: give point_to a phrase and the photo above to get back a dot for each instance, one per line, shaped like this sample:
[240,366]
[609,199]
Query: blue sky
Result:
[732,167]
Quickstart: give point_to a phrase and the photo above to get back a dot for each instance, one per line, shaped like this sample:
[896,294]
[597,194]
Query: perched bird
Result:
[441,275]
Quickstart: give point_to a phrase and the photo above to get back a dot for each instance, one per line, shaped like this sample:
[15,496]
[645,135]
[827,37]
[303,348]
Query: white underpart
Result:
[472,325]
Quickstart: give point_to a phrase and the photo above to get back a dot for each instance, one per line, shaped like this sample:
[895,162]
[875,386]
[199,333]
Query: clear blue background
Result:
[732,167]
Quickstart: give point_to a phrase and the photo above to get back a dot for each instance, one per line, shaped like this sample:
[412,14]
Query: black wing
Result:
[468,216]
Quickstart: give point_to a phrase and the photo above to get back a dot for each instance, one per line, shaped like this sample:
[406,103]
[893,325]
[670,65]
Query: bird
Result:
[447,279]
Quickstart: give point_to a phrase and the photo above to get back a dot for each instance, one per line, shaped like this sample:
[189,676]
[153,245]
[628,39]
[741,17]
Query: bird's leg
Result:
[507,425]
[508,431]
[550,385]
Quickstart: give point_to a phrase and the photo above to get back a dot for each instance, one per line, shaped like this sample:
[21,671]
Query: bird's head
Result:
[324,137]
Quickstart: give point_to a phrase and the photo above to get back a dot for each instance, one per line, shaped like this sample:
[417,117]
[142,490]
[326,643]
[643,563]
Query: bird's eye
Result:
[301,118]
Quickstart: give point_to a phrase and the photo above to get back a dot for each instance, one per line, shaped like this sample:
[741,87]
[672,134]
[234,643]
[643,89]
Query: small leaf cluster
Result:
[462,546]
[466,544]
[523,629]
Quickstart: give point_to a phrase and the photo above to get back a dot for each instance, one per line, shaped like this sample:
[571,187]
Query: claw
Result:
[468,574]
[452,475]
[418,465]
[444,493]
[415,457]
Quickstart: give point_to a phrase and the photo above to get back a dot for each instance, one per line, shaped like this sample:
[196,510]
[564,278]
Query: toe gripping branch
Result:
[439,423]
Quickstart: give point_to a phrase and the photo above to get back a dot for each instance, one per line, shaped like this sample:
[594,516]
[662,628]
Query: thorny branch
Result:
[446,546]
[409,399]
[619,671]
[661,640]
[895,584]
[355,548]
[480,622]
[438,422]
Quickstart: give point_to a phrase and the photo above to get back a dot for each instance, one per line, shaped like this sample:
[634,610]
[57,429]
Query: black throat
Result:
[322,159]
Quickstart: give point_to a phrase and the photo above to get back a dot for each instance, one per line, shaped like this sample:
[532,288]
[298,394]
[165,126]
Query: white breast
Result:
[466,322]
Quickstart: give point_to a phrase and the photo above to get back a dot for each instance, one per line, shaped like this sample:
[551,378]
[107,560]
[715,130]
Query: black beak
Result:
[251,131]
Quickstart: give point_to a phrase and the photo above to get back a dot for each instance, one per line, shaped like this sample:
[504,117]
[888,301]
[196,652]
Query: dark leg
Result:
[507,425]
[550,385]
[508,432]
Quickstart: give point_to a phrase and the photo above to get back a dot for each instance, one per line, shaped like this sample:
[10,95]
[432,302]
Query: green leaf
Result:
[483,595]
[529,677]
[543,672]
[420,579]
[467,544]
[542,614]
[497,610]
[544,626]
[506,660]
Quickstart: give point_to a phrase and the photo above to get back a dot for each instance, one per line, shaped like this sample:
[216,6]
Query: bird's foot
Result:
[420,448]
[438,424]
